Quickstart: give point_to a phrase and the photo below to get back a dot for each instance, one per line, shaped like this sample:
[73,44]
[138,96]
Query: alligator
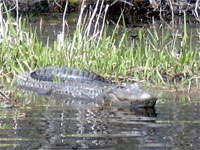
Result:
[81,86]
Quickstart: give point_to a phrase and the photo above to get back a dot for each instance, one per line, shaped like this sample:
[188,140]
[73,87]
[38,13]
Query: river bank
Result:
[155,55]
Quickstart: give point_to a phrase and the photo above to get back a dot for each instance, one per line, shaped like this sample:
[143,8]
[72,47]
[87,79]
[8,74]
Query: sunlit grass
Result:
[153,58]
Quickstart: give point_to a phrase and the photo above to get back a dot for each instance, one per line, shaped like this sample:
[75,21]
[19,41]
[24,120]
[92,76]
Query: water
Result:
[50,25]
[174,124]
[41,124]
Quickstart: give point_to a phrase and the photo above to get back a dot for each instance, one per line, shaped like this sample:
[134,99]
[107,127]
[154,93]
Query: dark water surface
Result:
[174,125]
[49,26]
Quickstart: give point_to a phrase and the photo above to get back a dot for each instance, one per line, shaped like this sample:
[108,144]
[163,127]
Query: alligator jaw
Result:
[127,94]
[137,98]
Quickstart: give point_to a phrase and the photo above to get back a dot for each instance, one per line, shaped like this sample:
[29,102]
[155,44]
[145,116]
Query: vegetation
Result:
[154,57]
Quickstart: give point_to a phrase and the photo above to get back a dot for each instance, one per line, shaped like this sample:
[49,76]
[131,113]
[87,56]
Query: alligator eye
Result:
[121,87]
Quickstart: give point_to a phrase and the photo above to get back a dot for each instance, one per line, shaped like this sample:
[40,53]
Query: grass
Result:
[154,57]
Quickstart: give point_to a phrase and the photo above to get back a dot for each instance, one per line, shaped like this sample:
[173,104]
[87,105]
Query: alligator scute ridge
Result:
[66,75]
[83,87]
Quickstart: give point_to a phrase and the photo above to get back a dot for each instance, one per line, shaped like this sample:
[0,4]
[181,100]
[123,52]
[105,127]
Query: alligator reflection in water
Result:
[92,130]
[69,127]
[58,126]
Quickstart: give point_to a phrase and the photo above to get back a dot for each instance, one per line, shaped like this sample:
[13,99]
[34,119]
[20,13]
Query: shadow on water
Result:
[174,124]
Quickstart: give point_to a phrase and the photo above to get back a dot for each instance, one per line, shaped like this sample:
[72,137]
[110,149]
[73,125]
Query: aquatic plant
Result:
[153,57]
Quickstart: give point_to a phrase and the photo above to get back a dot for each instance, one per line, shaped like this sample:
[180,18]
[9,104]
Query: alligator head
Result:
[126,94]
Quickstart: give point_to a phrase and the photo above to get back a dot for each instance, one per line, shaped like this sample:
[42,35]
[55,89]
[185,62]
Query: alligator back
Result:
[78,91]
[80,85]
[64,74]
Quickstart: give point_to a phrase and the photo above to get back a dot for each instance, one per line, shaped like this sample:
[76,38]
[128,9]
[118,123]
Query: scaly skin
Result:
[66,75]
[80,86]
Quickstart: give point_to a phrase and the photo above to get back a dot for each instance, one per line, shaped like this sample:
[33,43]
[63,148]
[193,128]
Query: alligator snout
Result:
[129,94]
